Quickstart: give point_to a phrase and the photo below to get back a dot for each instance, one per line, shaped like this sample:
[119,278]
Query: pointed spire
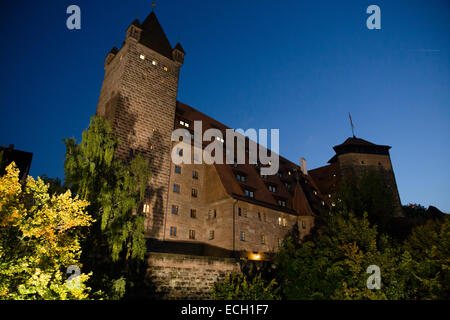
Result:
[179,47]
[153,36]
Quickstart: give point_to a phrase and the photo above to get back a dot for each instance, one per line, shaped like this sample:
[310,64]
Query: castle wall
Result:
[177,276]
[139,97]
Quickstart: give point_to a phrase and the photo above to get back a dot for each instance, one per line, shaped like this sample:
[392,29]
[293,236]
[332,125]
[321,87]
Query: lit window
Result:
[242,236]
[284,222]
[211,235]
[146,208]
[177,169]
[279,221]
[154,62]
[142,57]
[263,239]
[165,68]
[315,192]
[182,122]
[173,231]
[192,234]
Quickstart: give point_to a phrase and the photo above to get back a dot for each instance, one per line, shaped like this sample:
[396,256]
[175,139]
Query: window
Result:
[244,212]
[279,174]
[165,68]
[192,234]
[259,216]
[193,213]
[249,193]
[282,203]
[173,231]
[184,123]
[272,188]
[194,174]
[284,222]
[263,239]
[240,177]
[303,224]
[176,188]
[280,221]
[194,193]
[280,243]
[242,236]
[146,208]
[215,214]
[239,212]
[174,209]
[177,169]
[211,235]
[142,57]
[154,62]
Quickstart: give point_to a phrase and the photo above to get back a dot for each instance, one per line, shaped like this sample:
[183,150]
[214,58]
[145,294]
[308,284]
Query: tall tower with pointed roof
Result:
[138,97]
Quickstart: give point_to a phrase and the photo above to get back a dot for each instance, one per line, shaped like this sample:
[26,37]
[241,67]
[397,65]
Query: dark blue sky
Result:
[299,66]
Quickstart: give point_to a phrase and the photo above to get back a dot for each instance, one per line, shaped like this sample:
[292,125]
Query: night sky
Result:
[299,66]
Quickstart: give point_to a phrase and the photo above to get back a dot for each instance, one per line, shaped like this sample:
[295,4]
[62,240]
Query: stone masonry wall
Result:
[177,276]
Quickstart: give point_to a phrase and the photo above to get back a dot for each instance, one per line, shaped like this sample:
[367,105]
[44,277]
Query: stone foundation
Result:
[177,276]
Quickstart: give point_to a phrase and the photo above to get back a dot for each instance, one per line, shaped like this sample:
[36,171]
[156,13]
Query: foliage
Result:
[115,189]
[237,286]
[39,240]
[429,248]
[369,194]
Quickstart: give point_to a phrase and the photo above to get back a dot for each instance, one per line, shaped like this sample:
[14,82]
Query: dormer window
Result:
[249,193]
[240,177]
[272,188]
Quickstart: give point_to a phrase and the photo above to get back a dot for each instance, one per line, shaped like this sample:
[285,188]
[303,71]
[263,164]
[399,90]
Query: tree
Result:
[115,189]
[237,286]
[39,239]
[429,248]
[333,265]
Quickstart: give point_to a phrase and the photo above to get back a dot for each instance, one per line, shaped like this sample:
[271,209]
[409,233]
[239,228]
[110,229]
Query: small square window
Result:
[165,68]
[142,57]
[154,62]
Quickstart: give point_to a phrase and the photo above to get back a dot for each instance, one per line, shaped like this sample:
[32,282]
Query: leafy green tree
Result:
[237,286]
[39,240]
[333,265]
[115,189]
[429,249]
[369,194]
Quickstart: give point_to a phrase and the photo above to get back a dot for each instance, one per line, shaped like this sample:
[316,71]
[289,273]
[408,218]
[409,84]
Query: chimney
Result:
[303,166]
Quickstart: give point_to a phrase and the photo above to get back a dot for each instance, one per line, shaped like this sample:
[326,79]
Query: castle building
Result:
[226,207]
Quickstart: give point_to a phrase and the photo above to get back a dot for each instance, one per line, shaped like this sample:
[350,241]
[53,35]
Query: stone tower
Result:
[138,97]
[356,155]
